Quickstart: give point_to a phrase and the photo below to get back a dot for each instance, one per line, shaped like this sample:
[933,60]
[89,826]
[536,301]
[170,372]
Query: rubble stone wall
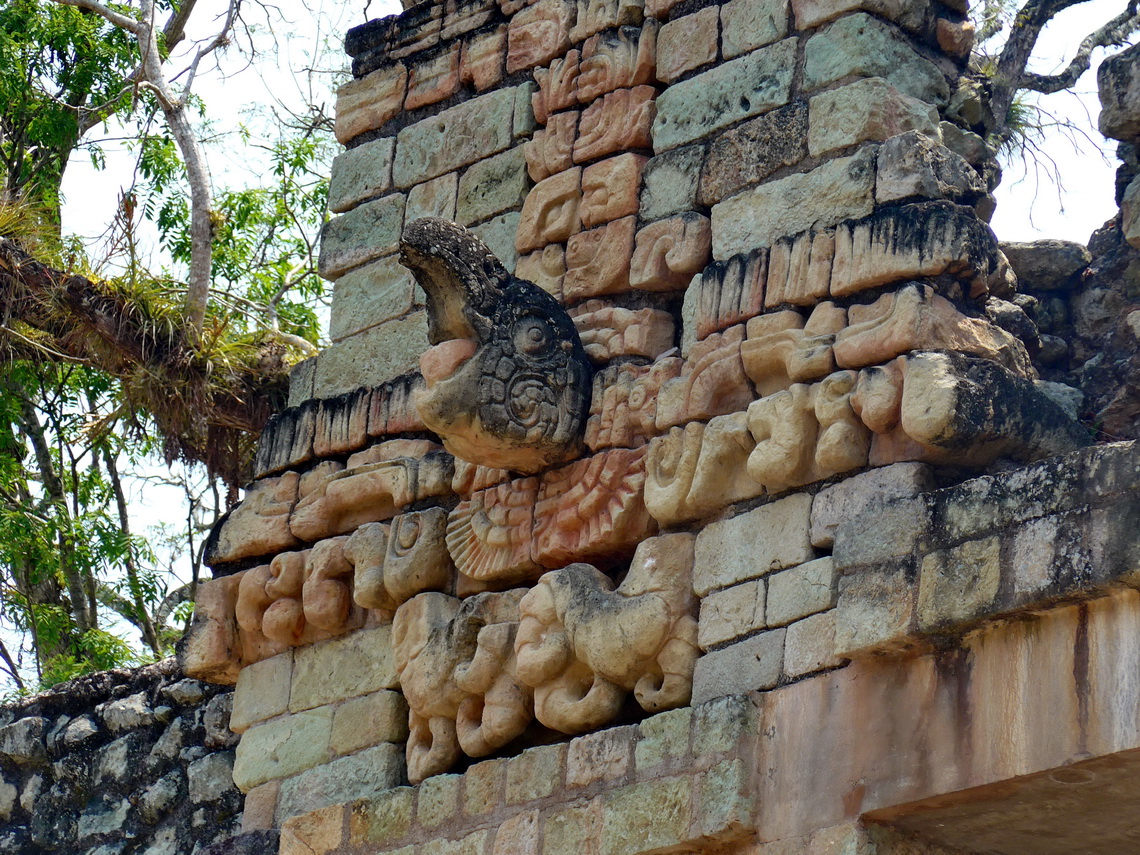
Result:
[117,763]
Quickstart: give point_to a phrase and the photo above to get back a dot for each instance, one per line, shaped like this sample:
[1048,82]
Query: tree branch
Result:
[123,22]
[1115,32]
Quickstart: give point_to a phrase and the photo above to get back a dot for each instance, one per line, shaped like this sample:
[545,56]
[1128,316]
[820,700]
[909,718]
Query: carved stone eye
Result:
[532,336]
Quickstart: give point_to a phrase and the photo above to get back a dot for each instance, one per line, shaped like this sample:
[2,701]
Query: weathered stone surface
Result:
[610,331]
[614,637]
[22,742]
[539,33]
[535,773]
[262,691]
[557,87]
[210,776]
[874,611]
[369,720]
[748,154]
[433,79]
[315,833]
[687,43]
[546,268]
[1046,265]
[603,756]
[498,233]
[610,189]
[282,747]
[835,191]
[550,212]
[646,816]
[865,493]
[1130,213]
[361,173]
[871,109]
[755,663]
[492,186]
[488,534]
[1118,80]
[753,544]
[371,357]
[728,93]
[621,120]
[362,775]
[481,59]
[438,800]
[809,645]
[456,137]
[812,13]
[368,296]
[669,182]
[624,404]
[749,24]
[364,233]
[955,585]
[598,260]
[731,613]
[799,270]
[551,149]
[618,59]
[257,526]
[859,45]
[368,103]
[330,671]
[668,253]
[801,591]
[728,293]
[712,382]
[434,198]
[914,165]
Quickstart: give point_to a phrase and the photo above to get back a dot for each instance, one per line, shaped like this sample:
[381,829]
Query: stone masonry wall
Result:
[118,763]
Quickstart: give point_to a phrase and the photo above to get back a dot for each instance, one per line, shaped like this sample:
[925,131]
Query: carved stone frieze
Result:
[712,382]
[259,525]
[618,59]
[456,662]
[623,409]
[583,645]
[610,331]
[489,534]
[507,380]
[394,562]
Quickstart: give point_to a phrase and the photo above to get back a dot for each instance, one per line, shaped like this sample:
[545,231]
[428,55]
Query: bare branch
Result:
[1114,33]
[123,22]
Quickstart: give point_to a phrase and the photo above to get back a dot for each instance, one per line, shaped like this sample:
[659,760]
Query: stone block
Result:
[518,835]
[434,198]
[669,182]
[551,149]
[492,186]
[801,591]
[753,544]
[1032,551]
[262,691]
[748,665]
[723,725]
[369,720]
[875,610]
[1118,80]
[545,267]
[22,741]
[687,43]
[433,79]
[534,774]
[597,15]
[557,87]
[748,154]
[662,737]
[838,190]
[1130,213]
[463,16]
[315,833]
[370,295]
[481,59]
[619,121]
[645,817]
[550,212]
[282,747]
[573,830]
[364,775]
[438,800]
[881,533]
[724,801]
[865,493]
[368,103]
[301,382]
[361,173]
[498,233]
[735,90]
[383,819]
[260,807]
[749,24]
[812,13]
[603,756]
[861,46]
[958,584]
[483,787]
[454,138]
[342,668]
[598,261]
[210,777]
[668,253]
[609,331]
[809,645]
[539,33]
[870,109]
[731,613]
[610,189]
[474,843]
[371,357]
[912,165]
[364,233]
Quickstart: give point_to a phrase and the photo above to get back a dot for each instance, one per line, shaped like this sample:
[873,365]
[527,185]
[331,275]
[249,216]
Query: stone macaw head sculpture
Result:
[507,382]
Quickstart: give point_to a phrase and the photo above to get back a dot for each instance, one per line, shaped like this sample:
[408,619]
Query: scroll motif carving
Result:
[507,380]
[489,534]
[582,645]
[395,562]
[456,662]
[610,331]
[623,409]
[619,59]
[670,252]
[259,525]
[712,382]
